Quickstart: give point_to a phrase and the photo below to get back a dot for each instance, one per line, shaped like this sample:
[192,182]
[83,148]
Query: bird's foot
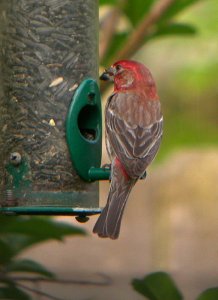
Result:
[144,175]
[106,166]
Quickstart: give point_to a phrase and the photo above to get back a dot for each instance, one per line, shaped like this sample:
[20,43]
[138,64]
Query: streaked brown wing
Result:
[134,129]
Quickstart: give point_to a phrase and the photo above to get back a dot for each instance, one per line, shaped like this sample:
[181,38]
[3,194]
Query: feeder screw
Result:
[15,158]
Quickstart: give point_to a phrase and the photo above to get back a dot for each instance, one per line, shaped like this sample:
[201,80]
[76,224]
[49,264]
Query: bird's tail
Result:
[108,223]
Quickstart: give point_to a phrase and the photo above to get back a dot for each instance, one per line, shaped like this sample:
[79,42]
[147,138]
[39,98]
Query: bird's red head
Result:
[130,75]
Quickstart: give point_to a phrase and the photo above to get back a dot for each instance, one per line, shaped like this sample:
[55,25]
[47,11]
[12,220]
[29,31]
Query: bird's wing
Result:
[134,129]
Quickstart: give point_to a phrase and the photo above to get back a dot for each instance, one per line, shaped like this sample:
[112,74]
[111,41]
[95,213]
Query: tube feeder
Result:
[50,108]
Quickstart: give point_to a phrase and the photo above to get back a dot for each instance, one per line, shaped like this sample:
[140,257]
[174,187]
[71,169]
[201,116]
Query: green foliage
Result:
[174,29]
[157,286]
[137,11]
[187,68]
[27,266]
[37,227]
[177,7]
[16,235]
[12,292]
[210,294]
[160,286]
[108,2]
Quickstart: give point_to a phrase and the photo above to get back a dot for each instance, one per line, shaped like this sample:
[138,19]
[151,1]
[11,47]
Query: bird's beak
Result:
[108,74]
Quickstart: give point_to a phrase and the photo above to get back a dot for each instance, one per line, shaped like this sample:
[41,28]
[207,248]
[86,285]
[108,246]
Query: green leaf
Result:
[157,286]
[12,244]
[12,292]
[175,28]
[177,7]
[172,29]
[107,2]
[209,294]
[29,266]
[19,233]
[17,243]
[6,252]
[43,228]
[136,10]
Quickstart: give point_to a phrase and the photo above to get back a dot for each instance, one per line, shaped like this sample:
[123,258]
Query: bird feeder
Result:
[50,108]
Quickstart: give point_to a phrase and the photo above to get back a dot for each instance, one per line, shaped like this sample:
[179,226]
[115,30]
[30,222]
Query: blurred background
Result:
[171,219]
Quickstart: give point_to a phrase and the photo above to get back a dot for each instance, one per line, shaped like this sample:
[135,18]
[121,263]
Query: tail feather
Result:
[109,222]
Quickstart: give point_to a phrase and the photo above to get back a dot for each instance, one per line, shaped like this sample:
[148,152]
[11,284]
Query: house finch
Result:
[134,123]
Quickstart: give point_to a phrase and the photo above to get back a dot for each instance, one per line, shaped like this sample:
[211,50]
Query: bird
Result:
[134,129]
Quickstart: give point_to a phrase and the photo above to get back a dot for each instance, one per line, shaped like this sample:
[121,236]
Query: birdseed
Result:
[47,47]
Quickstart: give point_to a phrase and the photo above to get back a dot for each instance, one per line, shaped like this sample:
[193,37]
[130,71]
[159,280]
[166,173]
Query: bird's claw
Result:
[106,167]
[144,175]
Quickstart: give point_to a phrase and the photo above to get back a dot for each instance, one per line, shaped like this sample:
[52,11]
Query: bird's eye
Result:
[118,68]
